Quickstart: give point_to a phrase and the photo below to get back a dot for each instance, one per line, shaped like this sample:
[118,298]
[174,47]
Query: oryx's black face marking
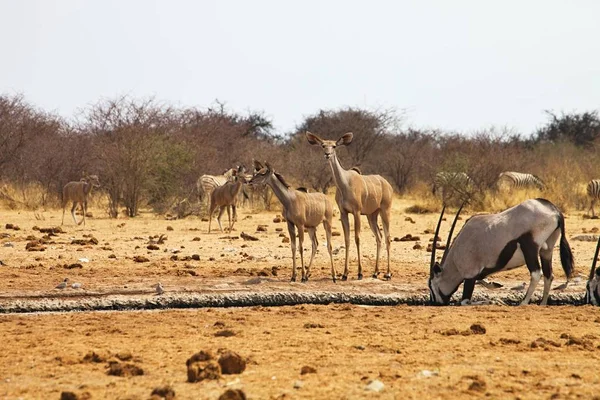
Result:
[436,296]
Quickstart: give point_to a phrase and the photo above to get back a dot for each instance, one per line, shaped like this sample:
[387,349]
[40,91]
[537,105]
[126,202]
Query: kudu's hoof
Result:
[360,276]
[293,279]
[304,280]
[344,277]
[387,277]
[376,275]
[334,281]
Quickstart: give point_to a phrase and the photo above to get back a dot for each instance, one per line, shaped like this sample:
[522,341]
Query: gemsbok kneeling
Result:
[592,289]
[498,242]
[301,210]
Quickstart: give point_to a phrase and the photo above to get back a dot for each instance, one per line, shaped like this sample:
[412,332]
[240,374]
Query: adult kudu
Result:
[357,194]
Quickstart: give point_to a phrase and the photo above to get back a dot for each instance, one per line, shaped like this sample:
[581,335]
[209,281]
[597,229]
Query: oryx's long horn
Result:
[595,259]
[433,246]
[451,232]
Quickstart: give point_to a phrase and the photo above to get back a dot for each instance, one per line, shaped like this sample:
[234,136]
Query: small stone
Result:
[285,240]
[307,370]
[196,239]
[298,384]
[123,369]
[140,259]
[169,228]
[477,329]
[199,371]
[195,257]
[261,228]
[233,394]
[375,386]
[232,363]
[152,247]
[164,392]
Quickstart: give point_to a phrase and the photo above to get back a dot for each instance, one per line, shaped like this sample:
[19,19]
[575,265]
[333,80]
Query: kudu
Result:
[524,234]
[357,194]
[78,193]
[226,197]
[301,210]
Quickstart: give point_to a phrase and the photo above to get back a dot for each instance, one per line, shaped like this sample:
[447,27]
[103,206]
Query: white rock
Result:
[375,386]
[84,260]
[9,244]
[428,373]
[298,384]
[76,285]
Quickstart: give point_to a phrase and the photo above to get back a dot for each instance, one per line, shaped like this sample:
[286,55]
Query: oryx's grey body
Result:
[523,234]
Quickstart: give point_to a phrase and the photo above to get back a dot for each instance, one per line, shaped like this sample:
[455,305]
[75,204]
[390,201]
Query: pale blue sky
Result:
[457,65]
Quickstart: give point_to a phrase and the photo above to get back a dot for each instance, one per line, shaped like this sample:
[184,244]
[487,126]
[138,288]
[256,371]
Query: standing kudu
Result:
[226,197]
[78,192]
[357,194]
[300,210]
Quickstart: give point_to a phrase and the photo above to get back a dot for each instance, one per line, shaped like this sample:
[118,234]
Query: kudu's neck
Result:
[87,187]
[283,193]
[339,173]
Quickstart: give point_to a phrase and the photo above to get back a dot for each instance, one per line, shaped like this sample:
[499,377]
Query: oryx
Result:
[498,242]
[592,289]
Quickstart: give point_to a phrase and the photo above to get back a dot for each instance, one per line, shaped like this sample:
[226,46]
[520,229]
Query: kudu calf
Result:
[226,197]
[78,192]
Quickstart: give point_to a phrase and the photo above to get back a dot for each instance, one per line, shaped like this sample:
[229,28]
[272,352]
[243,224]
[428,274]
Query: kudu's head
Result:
[92,180]
[592,290]
[329,145]
[239,174]
[261,173]
[436,296]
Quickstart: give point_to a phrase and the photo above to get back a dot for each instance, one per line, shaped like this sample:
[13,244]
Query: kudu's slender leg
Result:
[73,208]
[385,221]
[327,225]
[301,247]
[229,226]
[312,233]
[221,210]
[375,229]
[346,227]
[357,241]
[292,232]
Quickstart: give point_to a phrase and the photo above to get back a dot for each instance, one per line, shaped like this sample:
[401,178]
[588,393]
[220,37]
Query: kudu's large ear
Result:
[345,140]
[269,167]
[313,139]
[257,165]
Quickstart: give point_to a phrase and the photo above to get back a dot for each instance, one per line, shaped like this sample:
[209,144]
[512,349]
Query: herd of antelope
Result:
[525,234]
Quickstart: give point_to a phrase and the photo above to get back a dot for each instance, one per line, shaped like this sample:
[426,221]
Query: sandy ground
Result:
[349,345]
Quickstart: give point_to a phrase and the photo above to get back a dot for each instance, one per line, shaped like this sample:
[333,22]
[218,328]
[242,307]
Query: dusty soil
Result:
[348,345]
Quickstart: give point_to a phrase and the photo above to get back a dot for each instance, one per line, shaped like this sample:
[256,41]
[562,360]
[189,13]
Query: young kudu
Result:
[301,210]
[524,234]
[226,196]
[357,194]
[78,192]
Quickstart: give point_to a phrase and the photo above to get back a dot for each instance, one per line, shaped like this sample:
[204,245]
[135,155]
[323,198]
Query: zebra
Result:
[593,191]
[519,180]
[452,183]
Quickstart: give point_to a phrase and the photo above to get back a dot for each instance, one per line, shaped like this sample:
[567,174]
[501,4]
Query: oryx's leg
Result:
[385,221]
[375,229]
[327,226]
[312,233]
[356,214]
[468,288]
[301,247]
[73,212]
[292,232]
[530,252]
[346,227]
[546,259]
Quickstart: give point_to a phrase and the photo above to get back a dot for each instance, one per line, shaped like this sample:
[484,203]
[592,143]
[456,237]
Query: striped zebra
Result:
[518,180]
[207,183]
[593,191]
[451,184]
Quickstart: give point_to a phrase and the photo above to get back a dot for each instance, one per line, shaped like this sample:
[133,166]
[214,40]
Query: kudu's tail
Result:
[566,255]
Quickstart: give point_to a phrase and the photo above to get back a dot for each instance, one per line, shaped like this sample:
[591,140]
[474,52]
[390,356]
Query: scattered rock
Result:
[74,396]
[225,333]
[312,326]
[13,227]
[233,394]
[407,238]
[116,368]
[245,236]
[477,329]
[35,245]
[409,219]
[83,242]
[298,384]
[140,259]
[307,370]
[375,386]
[585,238]
[509,341]
[202,366]
[112,256]
[196,239]
[335,233]
[231,363]
[261,228]
[93,357]
[285,240]
[417,246]
[543,343]
[438,246]
[72,266]
[278,229]
[164,392]
[152,247]
[478,384]
[169,228]
[195,257]
[277,219]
